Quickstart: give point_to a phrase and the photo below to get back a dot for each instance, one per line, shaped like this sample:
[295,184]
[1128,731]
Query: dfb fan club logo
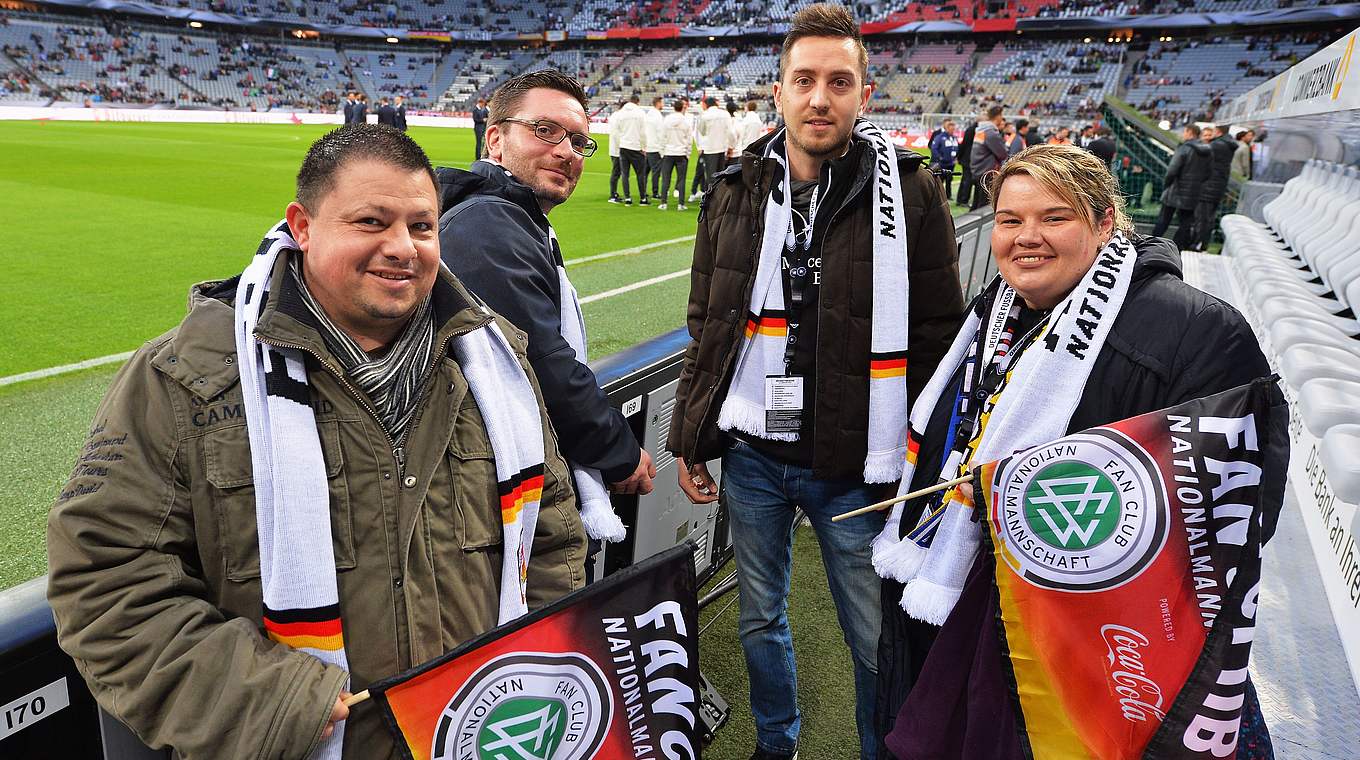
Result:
[1084,513]
[527,706]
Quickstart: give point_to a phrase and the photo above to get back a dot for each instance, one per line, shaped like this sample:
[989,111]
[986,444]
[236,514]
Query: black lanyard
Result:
[797,271]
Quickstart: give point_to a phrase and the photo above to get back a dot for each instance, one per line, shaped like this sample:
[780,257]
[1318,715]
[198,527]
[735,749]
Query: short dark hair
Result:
[824,20]
[751,105]
[678,103]
[1021,124]
[994,112]
[356,142]
[506,99]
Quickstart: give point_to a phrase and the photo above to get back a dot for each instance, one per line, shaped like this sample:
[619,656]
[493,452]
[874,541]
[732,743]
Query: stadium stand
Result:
[107,60]
[1302,271]
[1184,80]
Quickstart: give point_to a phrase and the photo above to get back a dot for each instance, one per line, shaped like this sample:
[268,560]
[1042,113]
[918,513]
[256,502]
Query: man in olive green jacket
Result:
[154,561]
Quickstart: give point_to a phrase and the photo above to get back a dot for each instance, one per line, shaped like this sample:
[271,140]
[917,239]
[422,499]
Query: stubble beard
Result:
[824,152]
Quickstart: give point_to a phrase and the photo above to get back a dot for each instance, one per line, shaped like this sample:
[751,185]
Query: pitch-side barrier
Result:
[46,710]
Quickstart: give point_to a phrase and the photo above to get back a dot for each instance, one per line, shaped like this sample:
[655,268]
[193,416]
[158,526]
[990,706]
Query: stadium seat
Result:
[1310,361]
[1327,402]
[1339,458]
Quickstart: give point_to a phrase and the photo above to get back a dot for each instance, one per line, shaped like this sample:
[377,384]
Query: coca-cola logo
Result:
[1140,698]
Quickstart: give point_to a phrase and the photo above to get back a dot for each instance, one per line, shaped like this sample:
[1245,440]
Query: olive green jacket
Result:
[154,561]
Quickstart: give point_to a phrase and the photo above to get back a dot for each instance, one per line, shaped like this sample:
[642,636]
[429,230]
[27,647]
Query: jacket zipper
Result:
[732,336]
[398,448]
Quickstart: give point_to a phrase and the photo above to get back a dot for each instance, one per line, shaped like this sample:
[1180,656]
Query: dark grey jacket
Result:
[1185,177]
[989,149]
[1221,151]
[494,237]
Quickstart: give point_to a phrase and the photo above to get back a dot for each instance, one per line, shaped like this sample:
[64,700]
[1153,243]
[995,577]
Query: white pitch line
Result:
[628,251]
[634,286]
[38,374]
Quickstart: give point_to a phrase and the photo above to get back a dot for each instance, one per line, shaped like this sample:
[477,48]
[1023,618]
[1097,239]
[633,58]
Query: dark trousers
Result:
[1205,211]
[478,134]
[680,164]
[965,188]
[947,177]
[979,196]
[1185,225]
[709,165]
[654,171]
[634,161]
[615,169]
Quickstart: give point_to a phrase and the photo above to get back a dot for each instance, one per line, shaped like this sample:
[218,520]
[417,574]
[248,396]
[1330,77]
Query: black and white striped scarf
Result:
[390,380]
[292,500]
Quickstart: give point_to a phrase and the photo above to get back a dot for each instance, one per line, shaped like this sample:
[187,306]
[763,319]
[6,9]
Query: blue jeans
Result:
[762,494]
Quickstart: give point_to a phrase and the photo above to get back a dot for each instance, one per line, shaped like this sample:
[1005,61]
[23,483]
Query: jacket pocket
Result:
[227,457]
[473,475]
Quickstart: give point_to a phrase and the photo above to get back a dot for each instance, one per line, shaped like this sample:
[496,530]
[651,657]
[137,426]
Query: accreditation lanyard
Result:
[797,249]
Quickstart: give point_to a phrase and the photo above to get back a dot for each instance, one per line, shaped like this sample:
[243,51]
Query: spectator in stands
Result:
[387,115]
[944,152]
[678,132]
[1222,148]
[1103,146]
[210,633]
[1185,175]
[715,139]
[1058,203]
[966,183]
[653,134]
[400,108]
[479,114]
[989,151]
[1241,163]
[495,236]
[628,131]
[810,449]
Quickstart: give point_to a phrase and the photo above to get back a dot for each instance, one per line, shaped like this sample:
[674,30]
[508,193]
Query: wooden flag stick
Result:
[904,497]
[355,699]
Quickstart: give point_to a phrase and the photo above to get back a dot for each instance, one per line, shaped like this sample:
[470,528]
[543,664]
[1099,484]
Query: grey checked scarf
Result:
[391,381]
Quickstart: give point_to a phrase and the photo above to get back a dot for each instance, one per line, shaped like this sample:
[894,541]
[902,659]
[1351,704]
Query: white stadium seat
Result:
[1328,402]
[1339,457]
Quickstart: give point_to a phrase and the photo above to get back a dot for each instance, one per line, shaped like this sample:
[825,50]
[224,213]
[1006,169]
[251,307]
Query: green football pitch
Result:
[111,223]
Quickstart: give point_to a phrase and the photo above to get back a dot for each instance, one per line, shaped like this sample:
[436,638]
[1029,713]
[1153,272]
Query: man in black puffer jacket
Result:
[1211,193]
[1185,176]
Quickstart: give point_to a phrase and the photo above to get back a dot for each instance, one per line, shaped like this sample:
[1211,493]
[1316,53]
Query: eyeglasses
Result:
[552,133]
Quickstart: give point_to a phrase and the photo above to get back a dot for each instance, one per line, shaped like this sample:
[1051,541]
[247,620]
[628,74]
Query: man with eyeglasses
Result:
[495,236]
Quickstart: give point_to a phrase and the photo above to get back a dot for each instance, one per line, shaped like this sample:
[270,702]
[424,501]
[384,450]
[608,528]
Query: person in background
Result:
[1241,163]
[989,151]
[479,114]
[653,120]
[966,183]
[615,159]
[1222,148]
[628,131]
[827,436]
[1061,137]
[715,139]
[1103,146]
[400,107]
[1185,175]
[1015,142]
[387,115]
[1132,180]
[678,136]
[944,152]
[747,128]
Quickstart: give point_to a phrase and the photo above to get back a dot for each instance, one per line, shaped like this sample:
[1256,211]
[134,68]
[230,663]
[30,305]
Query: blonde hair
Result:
[1076,176]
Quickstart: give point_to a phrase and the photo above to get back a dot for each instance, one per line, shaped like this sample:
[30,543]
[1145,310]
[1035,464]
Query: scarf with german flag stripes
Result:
[767,329]
[1043,375]
[292,501]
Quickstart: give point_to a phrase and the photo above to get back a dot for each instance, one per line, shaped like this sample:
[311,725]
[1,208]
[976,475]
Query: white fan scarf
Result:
[1033,406]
